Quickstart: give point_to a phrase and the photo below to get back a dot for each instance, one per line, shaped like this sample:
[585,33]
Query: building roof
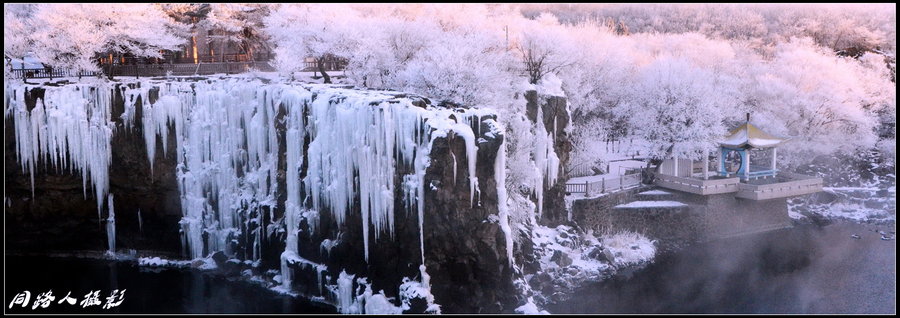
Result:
[749,135]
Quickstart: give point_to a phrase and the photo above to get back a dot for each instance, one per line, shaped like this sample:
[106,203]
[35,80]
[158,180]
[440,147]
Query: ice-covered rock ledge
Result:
[565,258]
[311,180]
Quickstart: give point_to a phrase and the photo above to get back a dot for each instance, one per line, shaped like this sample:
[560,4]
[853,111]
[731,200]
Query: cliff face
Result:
[554,116]
[61,216]
[457,235]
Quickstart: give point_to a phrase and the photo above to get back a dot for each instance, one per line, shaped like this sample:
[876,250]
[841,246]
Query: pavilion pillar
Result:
[705,164]
[690,168]
[747,165]
[675,165]
[774,154]
[722,169]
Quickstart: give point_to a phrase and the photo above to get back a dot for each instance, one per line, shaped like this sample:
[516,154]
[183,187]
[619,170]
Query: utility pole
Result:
[506,28]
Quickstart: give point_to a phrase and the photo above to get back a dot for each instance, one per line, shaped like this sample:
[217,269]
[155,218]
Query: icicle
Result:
[502,208]
[111,226]
[140,222]
[71,127]
[344,294]
[465,131]
[454,167]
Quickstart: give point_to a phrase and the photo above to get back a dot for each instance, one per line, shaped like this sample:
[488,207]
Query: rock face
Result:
[556,118]
[62,216]
[463,246]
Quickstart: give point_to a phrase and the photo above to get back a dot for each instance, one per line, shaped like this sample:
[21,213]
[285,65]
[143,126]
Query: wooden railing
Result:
[146,70]
[605,185]
[335,65]
[187,59]
[186,69]
[47,73]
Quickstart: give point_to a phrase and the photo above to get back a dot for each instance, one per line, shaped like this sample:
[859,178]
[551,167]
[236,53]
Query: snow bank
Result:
[160,262]
[567,259]
[352,295]
[629,248]
[529,308]
[651,204]
[655,192]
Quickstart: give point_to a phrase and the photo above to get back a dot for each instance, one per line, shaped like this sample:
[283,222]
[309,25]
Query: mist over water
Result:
[807,269]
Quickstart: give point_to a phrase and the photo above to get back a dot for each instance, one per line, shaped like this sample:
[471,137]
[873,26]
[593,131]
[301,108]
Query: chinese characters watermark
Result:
[44,300]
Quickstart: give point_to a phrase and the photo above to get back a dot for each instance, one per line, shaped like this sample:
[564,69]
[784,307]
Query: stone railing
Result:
[788,185]
[698,186]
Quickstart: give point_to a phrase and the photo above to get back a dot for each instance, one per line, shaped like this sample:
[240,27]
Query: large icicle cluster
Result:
[69,128]
[226,147]
[227,156]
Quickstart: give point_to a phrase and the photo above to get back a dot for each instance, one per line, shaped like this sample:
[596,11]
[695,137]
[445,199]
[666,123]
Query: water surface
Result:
[807,269]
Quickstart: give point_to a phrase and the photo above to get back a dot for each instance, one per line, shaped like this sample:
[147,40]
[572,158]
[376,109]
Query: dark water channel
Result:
[148,290]
[807,269]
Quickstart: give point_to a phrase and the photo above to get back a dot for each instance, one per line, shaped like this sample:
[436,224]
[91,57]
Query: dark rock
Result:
[561,258]
[219,257]
[610,257]
[597,253]
[873,204]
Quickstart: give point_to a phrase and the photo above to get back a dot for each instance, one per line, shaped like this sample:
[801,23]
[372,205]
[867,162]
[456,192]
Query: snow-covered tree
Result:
[311,30]
[240,23]
[17,41]
[543,48]
[71,35]
[677,108]
[818,99]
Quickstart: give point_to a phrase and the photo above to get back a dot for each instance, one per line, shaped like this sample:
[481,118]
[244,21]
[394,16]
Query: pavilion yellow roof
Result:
[748,134]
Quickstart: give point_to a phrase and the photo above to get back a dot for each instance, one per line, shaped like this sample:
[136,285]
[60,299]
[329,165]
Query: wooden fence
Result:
[175,69]
[47,73]
[604,185]
[148,70]
[186,69]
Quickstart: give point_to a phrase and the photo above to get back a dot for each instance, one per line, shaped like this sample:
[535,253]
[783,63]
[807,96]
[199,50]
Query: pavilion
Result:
[737,148]
[759,179]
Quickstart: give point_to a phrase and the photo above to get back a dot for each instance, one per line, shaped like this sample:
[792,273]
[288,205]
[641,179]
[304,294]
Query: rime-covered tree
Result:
[320,31]
[17,29]
[241,23]
[71,35]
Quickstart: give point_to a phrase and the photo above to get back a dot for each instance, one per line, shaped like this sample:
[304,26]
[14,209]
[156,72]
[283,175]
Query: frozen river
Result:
[807,269]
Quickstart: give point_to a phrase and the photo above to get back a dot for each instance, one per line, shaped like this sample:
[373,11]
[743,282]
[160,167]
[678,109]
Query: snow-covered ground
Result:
[847,203]
[651,204]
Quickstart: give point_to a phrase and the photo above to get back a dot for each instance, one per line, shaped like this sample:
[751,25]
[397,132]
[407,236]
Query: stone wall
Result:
[592,213]
[703,218]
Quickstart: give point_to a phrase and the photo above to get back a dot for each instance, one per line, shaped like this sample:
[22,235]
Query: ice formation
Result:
[111,226]
[226,148]
[70,129]
[502,205]
[545,159]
